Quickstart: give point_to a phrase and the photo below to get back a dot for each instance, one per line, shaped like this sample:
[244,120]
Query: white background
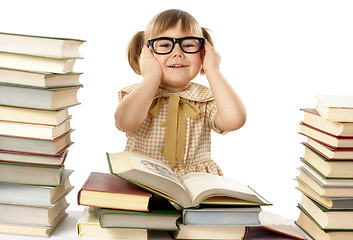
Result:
[278,55]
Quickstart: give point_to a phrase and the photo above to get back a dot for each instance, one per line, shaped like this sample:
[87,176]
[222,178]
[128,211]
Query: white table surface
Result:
[67,231]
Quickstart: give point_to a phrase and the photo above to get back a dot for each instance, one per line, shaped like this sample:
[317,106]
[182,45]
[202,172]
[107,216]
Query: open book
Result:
[190,191]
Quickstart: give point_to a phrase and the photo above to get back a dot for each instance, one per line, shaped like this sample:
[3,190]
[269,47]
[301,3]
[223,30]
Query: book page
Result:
[204,185]
[277,223]
[149,173]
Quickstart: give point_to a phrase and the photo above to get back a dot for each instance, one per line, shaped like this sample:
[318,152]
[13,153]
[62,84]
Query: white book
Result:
[335,107]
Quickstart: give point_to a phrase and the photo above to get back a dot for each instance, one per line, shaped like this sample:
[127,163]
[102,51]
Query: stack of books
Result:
[37,86]
[118,209]
[326,175]
[186,208]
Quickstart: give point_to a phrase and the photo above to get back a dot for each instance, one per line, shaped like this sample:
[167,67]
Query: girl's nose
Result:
[177,52]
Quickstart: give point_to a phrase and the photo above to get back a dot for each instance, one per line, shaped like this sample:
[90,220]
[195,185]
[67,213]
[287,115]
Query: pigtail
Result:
[134,50]
[206,35]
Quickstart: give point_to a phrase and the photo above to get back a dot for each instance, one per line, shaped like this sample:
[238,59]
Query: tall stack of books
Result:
[37,86]
[326,175]
[186,208]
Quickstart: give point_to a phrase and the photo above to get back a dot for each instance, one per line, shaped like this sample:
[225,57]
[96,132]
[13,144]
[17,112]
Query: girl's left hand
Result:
[211,58]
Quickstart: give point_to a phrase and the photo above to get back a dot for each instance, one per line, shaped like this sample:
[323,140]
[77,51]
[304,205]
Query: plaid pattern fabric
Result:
[149,139]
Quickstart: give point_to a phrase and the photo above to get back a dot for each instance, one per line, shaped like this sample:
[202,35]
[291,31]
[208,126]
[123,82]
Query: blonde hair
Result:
[160,23]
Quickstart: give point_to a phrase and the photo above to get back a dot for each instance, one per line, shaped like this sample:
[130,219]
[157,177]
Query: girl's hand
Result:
[211,58]
[149,66]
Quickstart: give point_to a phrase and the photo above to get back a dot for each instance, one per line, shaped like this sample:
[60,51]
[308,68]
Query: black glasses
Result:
[165,45]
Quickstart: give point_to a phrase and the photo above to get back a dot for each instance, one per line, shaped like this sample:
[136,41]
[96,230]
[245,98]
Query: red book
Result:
[106,190]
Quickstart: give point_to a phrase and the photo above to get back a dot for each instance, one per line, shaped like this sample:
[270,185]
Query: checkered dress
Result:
[149,138]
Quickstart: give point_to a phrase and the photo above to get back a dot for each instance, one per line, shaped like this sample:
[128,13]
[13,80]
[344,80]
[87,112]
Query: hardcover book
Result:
[328,219]
[163,217]
[106,190]
[36,145]
[35,116]
[40,45]
[329,152]
[186,192]
[88,227]
[36,63]
[39,79]
[30,130]
[38,98]
[328,168]
[312,228]
[29,195]
[222,216]
[335,107]
[313,118]
[328,139]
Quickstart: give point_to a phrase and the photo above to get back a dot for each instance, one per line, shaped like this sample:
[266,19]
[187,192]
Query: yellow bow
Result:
[175,137]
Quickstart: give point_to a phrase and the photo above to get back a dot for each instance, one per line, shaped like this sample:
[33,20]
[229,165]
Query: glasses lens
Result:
[163,46]
[191,45]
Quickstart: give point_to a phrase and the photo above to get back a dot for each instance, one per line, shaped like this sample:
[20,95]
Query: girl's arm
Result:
[132,110]
[231,113]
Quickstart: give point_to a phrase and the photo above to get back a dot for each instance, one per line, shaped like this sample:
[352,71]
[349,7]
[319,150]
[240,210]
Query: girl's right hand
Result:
[149,66]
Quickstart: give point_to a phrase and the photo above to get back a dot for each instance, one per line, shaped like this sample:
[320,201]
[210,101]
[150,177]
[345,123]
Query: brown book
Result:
[329,152]
[324,137]
[106,190]
[36,145]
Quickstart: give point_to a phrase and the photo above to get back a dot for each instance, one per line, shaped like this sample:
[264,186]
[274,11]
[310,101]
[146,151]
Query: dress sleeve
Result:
[121,94]
[211,111]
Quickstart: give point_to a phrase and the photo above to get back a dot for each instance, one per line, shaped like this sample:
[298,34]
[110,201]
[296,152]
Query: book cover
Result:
[106,190]
[162,217]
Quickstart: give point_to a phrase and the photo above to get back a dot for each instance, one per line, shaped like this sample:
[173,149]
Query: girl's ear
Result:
[202,53]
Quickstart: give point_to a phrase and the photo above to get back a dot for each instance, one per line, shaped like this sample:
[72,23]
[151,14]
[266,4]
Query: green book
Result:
[161,217]
[38,97]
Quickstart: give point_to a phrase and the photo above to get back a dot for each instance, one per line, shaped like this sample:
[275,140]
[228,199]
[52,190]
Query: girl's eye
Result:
[166,45]
[188,45]
[163,44]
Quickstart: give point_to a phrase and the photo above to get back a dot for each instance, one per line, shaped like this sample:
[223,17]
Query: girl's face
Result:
[178,68]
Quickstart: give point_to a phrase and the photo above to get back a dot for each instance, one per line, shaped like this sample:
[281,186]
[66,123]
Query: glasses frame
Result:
[174,41]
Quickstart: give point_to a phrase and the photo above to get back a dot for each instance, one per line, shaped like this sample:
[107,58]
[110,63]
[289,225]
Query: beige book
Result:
[88,227]
[313,118]
[335,107]
[40,45]
[36,116]
[331,140]
[39,79]
[328,219]
[310,227]
[30,215]
[34,130]
[36,63]
[42,231]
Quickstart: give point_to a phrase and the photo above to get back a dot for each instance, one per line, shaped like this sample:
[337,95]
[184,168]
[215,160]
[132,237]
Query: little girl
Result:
[166,116]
